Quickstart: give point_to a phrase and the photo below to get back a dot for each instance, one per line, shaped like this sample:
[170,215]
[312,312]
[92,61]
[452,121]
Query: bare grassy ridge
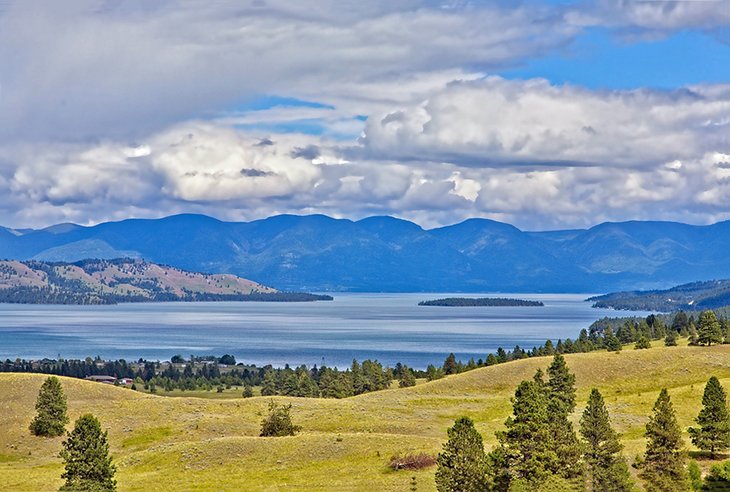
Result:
[205,444]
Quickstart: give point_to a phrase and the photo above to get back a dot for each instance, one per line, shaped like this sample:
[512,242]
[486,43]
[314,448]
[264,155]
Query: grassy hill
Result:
[110,281]
[210,444]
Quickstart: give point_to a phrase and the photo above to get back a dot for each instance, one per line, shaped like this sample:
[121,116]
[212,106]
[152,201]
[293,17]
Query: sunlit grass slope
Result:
[207,444]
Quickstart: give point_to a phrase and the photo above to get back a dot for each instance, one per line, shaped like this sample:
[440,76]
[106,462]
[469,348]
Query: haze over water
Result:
[388,327]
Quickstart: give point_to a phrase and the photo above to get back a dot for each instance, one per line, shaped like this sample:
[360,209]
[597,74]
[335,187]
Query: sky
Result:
[544,114]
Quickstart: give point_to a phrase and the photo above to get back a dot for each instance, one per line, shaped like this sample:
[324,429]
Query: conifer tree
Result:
[526,444]
[611,341]
[462,462]
[664,461]
[51,418]
[671,339]
[713,433]
[560,388]
[642,343]
[450,366]
[709,330]
[407,378]
[88,466]
[607,468]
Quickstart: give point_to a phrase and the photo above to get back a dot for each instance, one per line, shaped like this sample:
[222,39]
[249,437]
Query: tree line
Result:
[540,449]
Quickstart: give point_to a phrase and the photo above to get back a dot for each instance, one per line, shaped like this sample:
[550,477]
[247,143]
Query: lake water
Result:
[389,327]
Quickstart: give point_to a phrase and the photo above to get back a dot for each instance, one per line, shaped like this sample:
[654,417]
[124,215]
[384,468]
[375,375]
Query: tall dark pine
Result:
[709,330]
[450,366]
[664,462]
[560,404]
[607,468]
[713,433]
[462,463]
[526,444]
[88,466]
[51,418]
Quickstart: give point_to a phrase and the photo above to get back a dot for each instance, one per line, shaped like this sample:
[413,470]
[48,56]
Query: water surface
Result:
[389,327]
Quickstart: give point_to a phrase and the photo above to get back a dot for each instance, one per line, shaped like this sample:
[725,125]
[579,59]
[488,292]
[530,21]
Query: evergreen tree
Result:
[407,378]
[671,339]
[88,466]
[611,341]
[247,391]
[709,330]
[450,366]
[462,462]
[51,418]
[713,433]
[642,343]
[680,323]
[278,423]
[526,444]
[664,461]
[607,468]
[269,385]
[561,403]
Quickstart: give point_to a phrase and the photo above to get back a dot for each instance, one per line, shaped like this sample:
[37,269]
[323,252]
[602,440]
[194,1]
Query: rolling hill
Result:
[124,280]
[320,253]
[210,444]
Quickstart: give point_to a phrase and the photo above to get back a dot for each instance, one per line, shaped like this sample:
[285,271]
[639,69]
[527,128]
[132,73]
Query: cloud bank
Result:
[110,110]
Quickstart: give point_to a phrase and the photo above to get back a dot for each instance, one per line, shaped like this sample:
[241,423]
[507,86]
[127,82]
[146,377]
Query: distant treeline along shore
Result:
[480,301]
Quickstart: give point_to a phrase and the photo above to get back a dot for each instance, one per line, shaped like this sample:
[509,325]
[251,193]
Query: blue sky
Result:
[540,113]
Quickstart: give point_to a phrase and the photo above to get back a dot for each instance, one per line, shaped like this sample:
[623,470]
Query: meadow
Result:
[193,443]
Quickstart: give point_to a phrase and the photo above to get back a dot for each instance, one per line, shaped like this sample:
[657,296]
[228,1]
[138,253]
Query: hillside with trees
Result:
[350,443]
[695,296]
[126,280]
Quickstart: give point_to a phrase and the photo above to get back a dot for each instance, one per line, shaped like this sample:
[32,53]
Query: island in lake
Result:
[480,301]
[128,280]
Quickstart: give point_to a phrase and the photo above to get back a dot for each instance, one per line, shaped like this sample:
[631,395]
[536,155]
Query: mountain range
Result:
[320,253]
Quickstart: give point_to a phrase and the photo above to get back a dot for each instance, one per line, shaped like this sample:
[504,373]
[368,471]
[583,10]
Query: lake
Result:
[389,327]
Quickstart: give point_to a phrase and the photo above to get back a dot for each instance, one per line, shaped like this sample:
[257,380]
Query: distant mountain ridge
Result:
[124,280]
[320,253]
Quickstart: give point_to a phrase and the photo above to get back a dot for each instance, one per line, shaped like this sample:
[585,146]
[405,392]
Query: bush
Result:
[278,423]
[412,461]
[642,343]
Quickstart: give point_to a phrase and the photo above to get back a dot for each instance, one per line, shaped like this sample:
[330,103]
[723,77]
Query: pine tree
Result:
[671,339]
[526,444]
[450,366]
[664,461]
[51,419]
[606,466]
[247,391]
[462,463]
[560,388]
[407,378]
[709,330]
[611,341]
[85,452]
[269,385]
[642,343]
[714,431]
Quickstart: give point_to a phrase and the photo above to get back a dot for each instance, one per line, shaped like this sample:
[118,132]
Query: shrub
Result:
[278,423]
[415,461]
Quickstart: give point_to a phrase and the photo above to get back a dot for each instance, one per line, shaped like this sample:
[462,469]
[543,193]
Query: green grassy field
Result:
[190,443]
